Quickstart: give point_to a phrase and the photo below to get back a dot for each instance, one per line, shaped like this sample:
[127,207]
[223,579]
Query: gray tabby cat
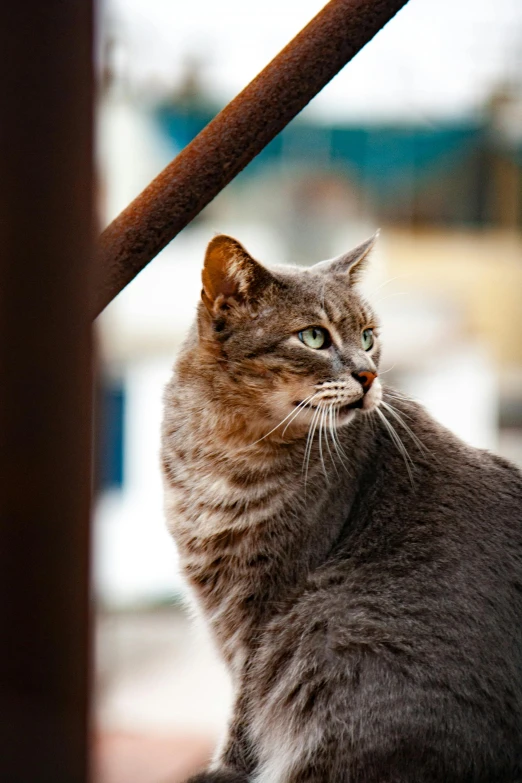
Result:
[367,600]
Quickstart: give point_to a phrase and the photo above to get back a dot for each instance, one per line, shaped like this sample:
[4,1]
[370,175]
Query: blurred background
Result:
[421,135]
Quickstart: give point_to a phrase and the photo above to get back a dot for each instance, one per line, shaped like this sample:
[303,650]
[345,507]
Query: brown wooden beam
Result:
[45,388]
[234,137]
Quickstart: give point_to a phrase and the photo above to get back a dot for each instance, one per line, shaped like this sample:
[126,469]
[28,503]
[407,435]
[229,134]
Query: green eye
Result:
[315,337]
[367,339]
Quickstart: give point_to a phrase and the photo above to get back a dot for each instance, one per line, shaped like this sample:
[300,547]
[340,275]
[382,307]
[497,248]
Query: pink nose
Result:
[365,378]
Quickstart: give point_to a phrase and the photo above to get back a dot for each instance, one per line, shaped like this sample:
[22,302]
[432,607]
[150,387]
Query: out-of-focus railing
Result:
[234,137]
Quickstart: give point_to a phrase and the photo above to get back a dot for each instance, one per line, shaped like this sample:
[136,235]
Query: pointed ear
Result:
[353,263]
[231,275]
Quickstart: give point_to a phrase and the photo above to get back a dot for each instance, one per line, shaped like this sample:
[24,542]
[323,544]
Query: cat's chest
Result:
[220,527]
[201,502]
[235,524]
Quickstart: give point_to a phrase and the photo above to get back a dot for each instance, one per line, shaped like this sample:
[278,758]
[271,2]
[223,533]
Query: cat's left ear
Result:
[353,263]
[231,275]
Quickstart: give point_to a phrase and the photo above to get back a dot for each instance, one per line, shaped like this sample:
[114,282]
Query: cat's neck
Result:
[240,509]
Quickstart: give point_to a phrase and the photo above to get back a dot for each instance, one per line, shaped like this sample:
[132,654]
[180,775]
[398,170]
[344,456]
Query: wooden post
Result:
[45,389]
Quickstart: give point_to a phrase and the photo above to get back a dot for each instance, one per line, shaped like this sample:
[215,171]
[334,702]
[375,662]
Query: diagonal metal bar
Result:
[234,137]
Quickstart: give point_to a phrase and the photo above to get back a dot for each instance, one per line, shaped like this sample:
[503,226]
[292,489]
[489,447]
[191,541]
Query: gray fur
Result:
[369,608]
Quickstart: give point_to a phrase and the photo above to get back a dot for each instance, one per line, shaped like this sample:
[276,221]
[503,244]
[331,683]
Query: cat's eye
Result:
[315,337]
[367,339]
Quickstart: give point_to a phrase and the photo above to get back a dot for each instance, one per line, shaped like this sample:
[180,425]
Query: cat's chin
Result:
[346,413]
[345,416]
[365,404]
[343,413]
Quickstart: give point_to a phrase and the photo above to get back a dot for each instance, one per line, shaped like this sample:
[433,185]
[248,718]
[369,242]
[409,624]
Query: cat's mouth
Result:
[351,406]
[339,409]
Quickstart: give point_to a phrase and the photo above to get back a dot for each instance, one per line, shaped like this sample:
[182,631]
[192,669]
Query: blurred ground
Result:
[142,758]
[162,697]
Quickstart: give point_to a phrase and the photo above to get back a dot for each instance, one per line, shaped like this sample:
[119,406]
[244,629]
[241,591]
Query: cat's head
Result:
[289,340]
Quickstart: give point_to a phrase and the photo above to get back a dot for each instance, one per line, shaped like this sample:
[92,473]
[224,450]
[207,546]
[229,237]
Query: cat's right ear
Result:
[230,275]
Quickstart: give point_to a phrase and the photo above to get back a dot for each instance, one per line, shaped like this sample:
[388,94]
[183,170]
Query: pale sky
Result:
[435,58]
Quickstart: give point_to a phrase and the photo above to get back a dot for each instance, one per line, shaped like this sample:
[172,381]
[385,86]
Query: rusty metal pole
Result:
[45,388]
[234,137]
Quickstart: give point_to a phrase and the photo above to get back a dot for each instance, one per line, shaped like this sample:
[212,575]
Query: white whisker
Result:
[321,419]
[332,430]
[399,398]
[386,282]
[309,442]
[403,424]
[390,296]
[383,372]
[334,418]
[335,441]
[291,414]
[326,413]
[298,410]
[396,393]
[398,443]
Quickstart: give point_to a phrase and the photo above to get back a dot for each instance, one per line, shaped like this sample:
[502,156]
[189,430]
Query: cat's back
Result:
[421,476]
[444,518]
[431,558]
[417,611]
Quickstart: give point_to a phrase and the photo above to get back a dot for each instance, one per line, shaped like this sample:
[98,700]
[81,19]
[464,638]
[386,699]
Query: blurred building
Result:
[448,271]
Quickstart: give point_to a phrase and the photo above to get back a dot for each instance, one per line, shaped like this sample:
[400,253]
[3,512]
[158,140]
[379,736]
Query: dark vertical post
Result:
[45,388]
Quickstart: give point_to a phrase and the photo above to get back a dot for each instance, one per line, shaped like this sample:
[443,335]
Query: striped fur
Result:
[363,580]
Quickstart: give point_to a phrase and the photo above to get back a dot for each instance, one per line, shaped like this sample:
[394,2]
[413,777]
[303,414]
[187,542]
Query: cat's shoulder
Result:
[444,458]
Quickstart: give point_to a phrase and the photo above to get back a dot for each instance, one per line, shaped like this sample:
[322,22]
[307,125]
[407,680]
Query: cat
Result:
[359,567]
